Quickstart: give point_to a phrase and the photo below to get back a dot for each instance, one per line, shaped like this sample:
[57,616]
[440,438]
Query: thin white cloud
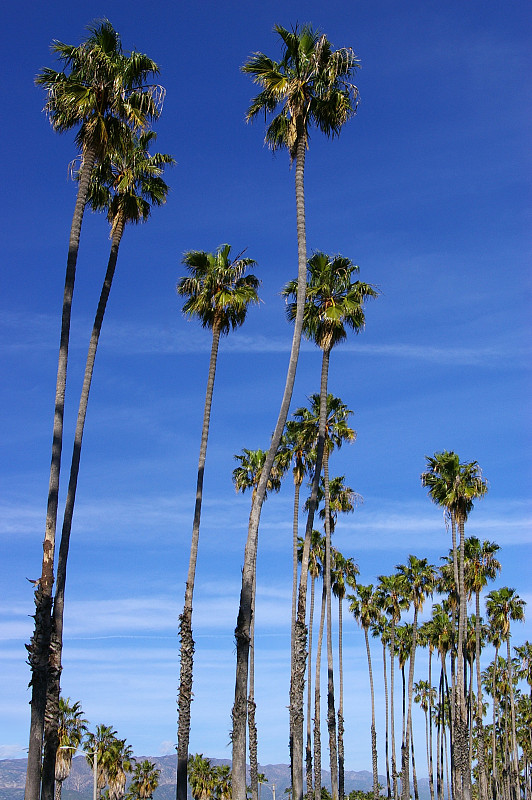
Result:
[19,331]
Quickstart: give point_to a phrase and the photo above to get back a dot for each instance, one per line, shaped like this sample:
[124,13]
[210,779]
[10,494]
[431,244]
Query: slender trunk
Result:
[308,754]
[317,702]
[341,757]
[461,746]
[481,742]
[430,765]
[373,732]
[57,790]
[252,726]
[297,680]
[494,776]
[514,768]
[295,532]
[39,647]
[405,764]
[244,613]
[51,739]
[331,716]
[185,618]
[388,783]
[414,775]
[392,712]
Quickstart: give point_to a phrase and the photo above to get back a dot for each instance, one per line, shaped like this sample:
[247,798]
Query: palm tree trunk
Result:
[430,764]
[481,742]
[51,741]
[331,716]
[252,726]
[392,713]
[39,647]
[317,701]
[308,754]
[514,769]
[373,732]
[297,678]
[405,765]
[341,759]
[494,776]
[414,775]
[388,783]
[250,554]
[185,619]
[461,747]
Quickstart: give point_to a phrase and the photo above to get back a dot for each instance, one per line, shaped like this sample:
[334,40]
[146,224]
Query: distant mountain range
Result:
[78,785]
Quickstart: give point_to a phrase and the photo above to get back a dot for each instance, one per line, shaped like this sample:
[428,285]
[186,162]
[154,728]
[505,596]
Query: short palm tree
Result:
[125,184]
[72,728]
[454,486]
[218,293]
[310,86]
[100,744]
[99,89]
[364,608]
[201,777]
[145,781]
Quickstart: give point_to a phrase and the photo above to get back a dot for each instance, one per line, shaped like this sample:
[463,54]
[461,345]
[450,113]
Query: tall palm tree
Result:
[425,695]
[344,572]
[481,565]
[218,293]
[390,595]
[505,606]
[145,781]
[72,728]
[334,302]
[247,476]
[454,486]
[420,578]
[99,89]
[364,609]
[310,86]
[126,184]
[381,628]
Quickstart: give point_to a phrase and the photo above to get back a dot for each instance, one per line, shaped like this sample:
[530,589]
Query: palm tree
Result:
[118,763]
[218,292]
[201,777]
[145,781]
[420,578]
[333,303]
[222,781]
[390,596]
[505,606]
[381,628]
[344,571]
[72,728]
[247,476]
[481,565]
[454,486]
[99,89]
[100,744]
[310,85]
[127,183]
[425,695]
[364,608]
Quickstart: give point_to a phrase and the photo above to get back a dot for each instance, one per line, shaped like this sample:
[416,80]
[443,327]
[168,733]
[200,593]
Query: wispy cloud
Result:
[19,331]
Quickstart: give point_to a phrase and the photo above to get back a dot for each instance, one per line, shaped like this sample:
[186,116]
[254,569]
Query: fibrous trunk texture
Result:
[250,555]
[39,647]
[185,619]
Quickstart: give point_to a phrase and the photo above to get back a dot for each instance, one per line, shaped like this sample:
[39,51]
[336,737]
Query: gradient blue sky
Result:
[427,190]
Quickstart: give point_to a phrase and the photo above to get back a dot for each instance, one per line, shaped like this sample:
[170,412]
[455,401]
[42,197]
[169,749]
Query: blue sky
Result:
[426,190]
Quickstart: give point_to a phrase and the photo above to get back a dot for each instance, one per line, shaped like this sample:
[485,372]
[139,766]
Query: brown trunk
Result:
[308,754]
[317,702]
[39,647]
[331,716]
[250,554]
[185,619]
[373,732]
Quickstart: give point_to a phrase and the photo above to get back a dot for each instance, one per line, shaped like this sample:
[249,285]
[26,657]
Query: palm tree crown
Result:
[452,484]
[333,301]
[103,86]
[218,291]
[312,85]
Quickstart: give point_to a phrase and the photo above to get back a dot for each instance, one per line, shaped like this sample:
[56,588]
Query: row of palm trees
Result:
[109,756]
